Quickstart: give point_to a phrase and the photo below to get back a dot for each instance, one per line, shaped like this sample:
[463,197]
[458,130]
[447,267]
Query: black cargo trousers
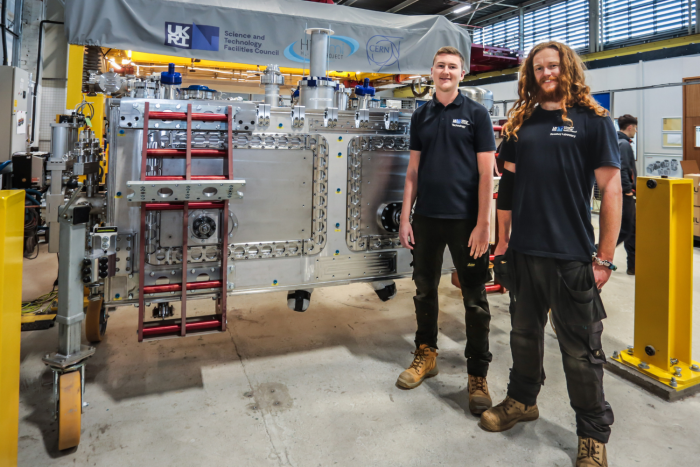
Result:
[568,288]
[431,235]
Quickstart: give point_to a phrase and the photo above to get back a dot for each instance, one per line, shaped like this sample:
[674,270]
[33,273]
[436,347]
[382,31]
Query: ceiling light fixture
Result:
[464,8]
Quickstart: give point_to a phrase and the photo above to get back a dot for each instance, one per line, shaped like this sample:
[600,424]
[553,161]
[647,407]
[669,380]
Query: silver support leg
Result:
[70,313]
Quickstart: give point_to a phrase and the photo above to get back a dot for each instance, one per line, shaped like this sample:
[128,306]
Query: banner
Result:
[262,32]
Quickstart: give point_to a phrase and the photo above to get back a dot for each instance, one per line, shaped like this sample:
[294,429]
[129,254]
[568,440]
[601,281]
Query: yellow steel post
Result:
[664,285]
[74,84]
[11,238]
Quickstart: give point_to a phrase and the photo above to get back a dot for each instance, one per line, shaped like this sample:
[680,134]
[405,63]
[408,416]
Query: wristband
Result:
[604,262]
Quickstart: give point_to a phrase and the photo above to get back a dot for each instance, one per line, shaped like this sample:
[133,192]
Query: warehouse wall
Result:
[649,106]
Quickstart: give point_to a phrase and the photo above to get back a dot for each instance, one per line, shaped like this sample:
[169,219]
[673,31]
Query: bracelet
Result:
[604,262]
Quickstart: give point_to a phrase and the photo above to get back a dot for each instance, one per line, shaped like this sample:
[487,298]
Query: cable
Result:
[38,305]
[5,164]
[4,32]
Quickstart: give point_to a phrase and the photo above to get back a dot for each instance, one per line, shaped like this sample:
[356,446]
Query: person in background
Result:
[628,174]
[560,140]
[450,179]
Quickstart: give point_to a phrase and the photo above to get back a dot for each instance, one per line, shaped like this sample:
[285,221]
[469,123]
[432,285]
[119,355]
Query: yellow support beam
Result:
[663,315]
[11,238]
[146,59]
[74,84]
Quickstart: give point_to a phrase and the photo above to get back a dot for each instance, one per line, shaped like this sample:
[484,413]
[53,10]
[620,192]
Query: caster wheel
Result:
[70,405]
[95,321]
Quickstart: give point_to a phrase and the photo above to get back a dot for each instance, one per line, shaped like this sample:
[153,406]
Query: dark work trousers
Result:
[431,236]
[568,288]
[628,228]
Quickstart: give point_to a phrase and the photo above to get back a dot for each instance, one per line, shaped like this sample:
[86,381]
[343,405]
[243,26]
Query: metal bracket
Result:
[263,111]
[330,117]
[104,241]
[85,168]
[361,118]
[200,190]
[391,120]
[298,116]
[56,360]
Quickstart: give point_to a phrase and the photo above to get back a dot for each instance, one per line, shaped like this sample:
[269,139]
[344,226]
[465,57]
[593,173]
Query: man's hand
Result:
[479,240]
[406,235]
[601,275]
[501,248]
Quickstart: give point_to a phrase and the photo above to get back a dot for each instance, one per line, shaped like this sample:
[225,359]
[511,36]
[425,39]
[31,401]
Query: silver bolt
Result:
[616,354]
[152,274]
[172,273]
[212,269]
[157,125]
[694,367]
[177,106]
[131,276]
[674,361]
[678,371]
[192,271]
[157,106]
[643,366]
[674,383]
[136,106]
[131,296]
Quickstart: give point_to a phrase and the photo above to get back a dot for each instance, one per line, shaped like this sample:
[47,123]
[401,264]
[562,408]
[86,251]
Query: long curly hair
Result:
[572,83]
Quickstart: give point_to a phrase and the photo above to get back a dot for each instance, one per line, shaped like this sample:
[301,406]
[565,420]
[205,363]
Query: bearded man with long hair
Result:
[557,142]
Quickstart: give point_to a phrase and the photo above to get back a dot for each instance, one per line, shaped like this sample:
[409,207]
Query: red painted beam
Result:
[196,152]
[178,287]
[202,117]
[175,328]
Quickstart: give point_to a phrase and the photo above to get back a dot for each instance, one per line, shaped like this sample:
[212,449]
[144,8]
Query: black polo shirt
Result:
[448,139]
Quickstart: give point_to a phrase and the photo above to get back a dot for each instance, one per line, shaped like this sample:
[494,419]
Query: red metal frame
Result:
[178,287]
[200,117]
[188,153]
[172,328]
[194,152]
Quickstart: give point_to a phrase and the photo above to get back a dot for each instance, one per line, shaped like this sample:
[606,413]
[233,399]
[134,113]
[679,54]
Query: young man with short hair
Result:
[559,140]
[450,179]
[628,173]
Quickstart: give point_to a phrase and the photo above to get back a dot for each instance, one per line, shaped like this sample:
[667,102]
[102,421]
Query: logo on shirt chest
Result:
[563,131]
[460,122]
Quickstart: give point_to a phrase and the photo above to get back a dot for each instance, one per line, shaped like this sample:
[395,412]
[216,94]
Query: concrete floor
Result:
[317,389]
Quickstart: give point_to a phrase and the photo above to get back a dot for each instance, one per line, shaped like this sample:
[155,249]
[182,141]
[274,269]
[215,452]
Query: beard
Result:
[553,95]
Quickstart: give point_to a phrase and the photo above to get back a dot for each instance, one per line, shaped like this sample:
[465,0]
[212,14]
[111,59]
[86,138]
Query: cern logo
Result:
[384,51]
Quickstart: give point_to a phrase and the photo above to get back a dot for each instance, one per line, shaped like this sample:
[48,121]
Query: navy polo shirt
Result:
[448,139]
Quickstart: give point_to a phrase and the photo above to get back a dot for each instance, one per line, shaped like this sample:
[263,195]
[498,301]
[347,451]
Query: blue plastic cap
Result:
[171,76]
[365,90]
[199,87]
[295,93]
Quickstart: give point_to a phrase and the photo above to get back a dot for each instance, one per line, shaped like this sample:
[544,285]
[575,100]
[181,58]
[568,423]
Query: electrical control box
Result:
[15,111]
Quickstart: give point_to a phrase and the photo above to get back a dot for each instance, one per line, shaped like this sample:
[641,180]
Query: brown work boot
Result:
[506,414]
[479,397]
[591,453]
[424,366]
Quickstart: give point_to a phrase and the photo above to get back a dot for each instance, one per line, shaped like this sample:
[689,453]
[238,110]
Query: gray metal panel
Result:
[383,178]
[277,198]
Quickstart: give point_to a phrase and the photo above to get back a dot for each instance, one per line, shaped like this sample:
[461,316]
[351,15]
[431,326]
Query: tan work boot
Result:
[424,366]
[591,453]
[479,397]
[506,414]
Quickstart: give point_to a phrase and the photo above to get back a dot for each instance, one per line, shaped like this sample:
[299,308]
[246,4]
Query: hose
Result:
[33,200]
[5,164]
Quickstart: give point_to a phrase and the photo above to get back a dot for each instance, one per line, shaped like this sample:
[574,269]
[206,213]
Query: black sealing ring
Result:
[651,183]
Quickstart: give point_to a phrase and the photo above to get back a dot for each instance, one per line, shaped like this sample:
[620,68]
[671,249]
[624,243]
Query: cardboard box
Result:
[696,202]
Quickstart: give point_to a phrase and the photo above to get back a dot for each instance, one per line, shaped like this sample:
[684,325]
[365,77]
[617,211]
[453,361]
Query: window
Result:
[502,34]
[565,22]
[623,20]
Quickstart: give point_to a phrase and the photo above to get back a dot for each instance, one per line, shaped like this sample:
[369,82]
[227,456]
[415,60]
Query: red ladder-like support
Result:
[205,324]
